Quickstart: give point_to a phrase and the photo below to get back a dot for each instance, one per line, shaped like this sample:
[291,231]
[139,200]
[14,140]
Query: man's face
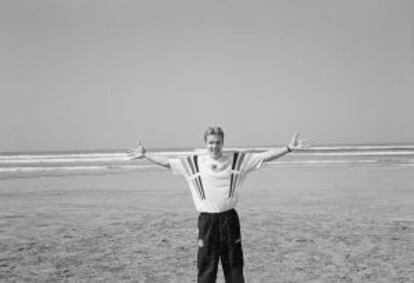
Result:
[214,144]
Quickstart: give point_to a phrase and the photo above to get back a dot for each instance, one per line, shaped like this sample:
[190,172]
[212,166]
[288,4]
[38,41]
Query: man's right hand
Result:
[137,153]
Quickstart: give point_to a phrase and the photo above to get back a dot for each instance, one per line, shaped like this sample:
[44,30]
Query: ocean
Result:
[37,164]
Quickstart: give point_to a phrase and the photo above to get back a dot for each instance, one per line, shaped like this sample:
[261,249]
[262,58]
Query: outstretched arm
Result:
[294,144]
[140,152]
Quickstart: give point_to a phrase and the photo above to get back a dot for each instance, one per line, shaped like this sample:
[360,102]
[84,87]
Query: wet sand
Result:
[298,225]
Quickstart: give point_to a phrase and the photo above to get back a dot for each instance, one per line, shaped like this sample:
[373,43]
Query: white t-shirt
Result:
[213,183]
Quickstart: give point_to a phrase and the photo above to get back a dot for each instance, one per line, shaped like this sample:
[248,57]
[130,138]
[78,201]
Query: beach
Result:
[98,98]
[339,224]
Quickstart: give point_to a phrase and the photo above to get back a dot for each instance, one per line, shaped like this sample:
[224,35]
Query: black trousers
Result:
[219,238]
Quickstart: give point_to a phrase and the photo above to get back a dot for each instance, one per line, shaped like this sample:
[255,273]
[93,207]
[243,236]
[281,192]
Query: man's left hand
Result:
[297,143]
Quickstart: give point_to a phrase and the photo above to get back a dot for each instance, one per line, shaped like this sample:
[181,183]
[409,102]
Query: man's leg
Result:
[232,253]
[208,249]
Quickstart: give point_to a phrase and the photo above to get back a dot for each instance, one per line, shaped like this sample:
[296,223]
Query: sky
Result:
[95,74]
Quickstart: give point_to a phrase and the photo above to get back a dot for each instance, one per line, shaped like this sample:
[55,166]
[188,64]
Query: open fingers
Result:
[306,142]
[135,148]
[307,139]
[295,136]
[132,150]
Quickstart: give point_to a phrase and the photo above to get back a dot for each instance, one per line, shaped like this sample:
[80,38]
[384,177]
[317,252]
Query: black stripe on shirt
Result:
[190,163]
[236,154]
[195,158]
[193,172]
[240,161]
[236,178]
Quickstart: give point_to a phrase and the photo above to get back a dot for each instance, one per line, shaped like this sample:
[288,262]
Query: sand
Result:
[298,225]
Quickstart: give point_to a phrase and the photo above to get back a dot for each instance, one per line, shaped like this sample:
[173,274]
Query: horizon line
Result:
[171,148]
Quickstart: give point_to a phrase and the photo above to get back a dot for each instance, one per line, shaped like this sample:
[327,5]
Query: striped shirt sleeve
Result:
[252,161]
[177,167]
[180,166]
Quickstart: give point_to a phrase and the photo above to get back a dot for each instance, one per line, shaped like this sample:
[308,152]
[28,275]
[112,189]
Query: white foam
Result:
[358,153]
[62,160]
[53,156]
[93,157]
[70,168]
[363,147]
[279,163]
[100,158]
[326,163]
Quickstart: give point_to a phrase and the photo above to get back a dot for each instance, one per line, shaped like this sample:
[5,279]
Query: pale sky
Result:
[102,74]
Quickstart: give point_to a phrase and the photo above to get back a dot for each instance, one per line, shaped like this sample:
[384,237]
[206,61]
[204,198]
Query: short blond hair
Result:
[214,131]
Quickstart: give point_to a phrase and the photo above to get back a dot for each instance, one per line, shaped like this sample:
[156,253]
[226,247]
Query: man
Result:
[214,179]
